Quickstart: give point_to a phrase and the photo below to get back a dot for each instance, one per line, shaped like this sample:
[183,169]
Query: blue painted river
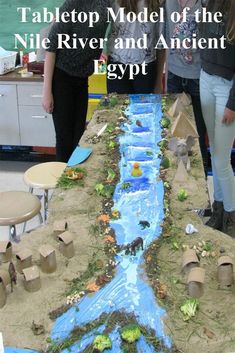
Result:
[129,291]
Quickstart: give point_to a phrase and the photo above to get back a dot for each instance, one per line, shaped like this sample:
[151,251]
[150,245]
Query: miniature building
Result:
[5,251]
[23,260]
[59,227]
[182,127]
[185,98]
[3,294]
[190,260]
[181,175]
[47,258]
[32,281]
[66,246]
[225,271]
[176,108]
[5,277]
[196,279]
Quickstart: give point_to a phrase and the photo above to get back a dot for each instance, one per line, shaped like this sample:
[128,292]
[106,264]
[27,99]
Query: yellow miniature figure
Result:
[136,171]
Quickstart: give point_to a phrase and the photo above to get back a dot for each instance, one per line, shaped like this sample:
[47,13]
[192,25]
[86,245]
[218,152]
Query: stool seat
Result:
[44,175]
[17,207]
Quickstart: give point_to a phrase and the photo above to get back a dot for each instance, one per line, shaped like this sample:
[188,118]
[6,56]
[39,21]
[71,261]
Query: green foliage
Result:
[189,308]
[182,195]
[130,333]
[66,183]
[113,101]
[111,145]
[149,153]
[102,342]
[165,122]
[165,163]
[104,190]
[111,175]
[110,128]
[163,144]
[126,185]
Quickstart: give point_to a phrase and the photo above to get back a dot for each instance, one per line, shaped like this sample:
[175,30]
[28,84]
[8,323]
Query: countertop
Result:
[15,76]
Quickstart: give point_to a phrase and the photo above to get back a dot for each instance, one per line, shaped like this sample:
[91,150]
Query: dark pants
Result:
[177,84]
[139,84]
[69,115]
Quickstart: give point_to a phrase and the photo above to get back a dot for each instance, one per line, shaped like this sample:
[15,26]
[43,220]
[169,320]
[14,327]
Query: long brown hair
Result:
[132,5]
[227,8]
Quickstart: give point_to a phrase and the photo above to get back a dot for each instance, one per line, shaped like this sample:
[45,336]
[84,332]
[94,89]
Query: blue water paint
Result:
[17,350]
[129,291]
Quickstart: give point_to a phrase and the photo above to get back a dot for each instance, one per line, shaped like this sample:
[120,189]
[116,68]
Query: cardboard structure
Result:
[190,260]
[181,175]
[176,108]
[185,98]
[47,258]
[23,260]
[183,127]
[66,245]
[5,277]
[225,271]
[32,281]
[3,294]
[196,279]
[59,227]
[5,251]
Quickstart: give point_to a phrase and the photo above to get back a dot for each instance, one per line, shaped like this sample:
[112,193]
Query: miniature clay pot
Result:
[32,281]
[6,251]
[47,259]
[5,277]
[190,260]
[66,245]
[225,271]
[23,260]
[196,279]
[3,294]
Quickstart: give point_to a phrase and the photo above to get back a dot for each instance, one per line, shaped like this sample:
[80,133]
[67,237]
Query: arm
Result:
[229,112]
[47,101]
[161,58]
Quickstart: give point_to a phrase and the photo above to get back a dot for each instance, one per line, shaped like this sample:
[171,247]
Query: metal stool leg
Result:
[24,227]
[45,205]
[12,233]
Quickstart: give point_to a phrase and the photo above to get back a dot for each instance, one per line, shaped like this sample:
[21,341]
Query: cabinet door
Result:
[36,127]
[9,124]
[30,94]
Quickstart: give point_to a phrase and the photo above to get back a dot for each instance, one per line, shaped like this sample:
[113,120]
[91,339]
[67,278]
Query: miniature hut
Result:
[59,227]
[196,279]
[190,260]
[5,277]
[23,260]
[47,258]
[176,108]
[66,246]
[5,251]
[182,127]
[32,281]
[225,271]
[3,294]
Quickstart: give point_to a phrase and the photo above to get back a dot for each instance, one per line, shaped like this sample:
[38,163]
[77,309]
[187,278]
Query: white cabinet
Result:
[22,119]
[9,122]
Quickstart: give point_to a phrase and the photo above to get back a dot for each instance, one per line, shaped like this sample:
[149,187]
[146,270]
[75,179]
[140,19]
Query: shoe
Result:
[229,223]
[216,219]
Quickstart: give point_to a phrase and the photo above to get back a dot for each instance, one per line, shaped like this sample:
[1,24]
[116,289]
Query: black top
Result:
[219,61]
[79,62]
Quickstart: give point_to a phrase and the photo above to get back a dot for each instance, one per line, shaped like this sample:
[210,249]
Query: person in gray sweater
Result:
[66,72]
[184,65]
[217,87]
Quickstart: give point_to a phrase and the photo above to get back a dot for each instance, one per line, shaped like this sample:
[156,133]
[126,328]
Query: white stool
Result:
[44,176]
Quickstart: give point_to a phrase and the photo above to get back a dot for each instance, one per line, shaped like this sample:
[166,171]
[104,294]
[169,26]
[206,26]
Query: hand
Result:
[48,103]
[229,116]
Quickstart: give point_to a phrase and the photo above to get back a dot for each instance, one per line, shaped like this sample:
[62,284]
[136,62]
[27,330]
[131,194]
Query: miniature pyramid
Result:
[185,99]
[182,127]
[176,108]
[181,175]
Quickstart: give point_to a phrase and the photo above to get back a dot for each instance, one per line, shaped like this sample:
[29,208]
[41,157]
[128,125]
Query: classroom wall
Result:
[10,19]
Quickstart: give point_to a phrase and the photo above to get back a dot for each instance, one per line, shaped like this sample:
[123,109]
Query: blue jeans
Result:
[214,96]
[177,84]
